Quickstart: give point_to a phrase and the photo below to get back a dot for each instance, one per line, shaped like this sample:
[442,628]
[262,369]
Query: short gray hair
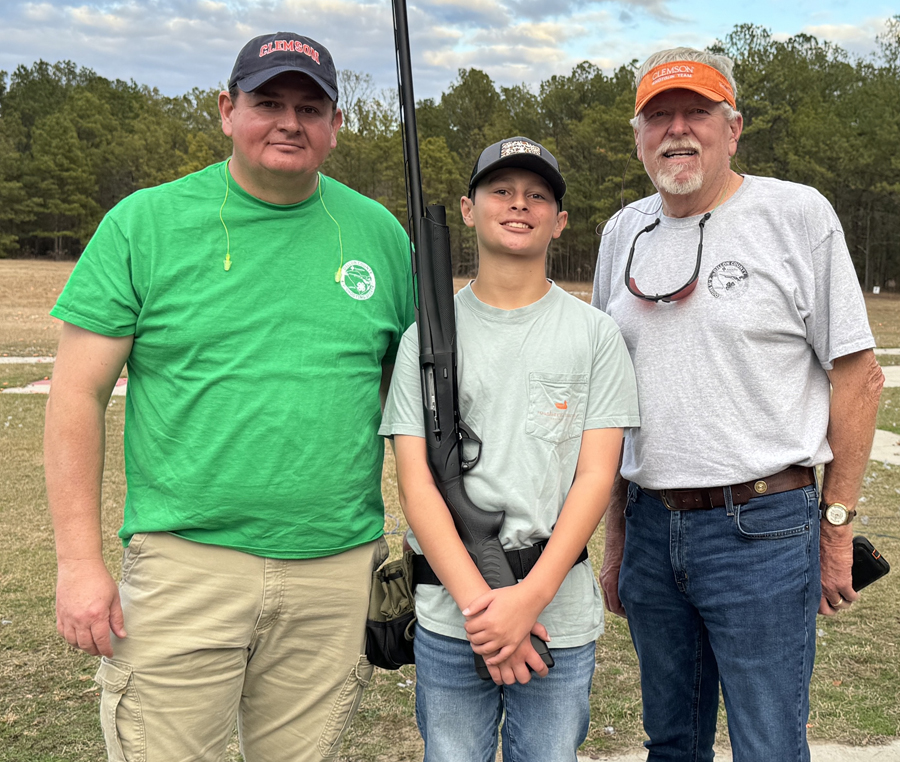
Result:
[723,64]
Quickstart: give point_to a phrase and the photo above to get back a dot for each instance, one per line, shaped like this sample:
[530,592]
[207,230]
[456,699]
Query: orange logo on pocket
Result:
[564,405]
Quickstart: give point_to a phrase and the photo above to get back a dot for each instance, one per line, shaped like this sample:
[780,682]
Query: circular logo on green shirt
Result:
[358,280]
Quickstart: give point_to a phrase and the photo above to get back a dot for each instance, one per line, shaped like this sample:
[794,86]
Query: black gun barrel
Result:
[408,120]
[445,432]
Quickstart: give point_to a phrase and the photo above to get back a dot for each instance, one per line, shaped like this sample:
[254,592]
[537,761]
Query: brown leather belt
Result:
[793,477]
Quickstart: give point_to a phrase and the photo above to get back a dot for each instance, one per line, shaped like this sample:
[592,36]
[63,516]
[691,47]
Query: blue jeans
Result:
[458,713]
[724,595]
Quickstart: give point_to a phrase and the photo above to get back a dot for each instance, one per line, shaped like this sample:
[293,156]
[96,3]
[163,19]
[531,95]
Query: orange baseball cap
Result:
[688,75]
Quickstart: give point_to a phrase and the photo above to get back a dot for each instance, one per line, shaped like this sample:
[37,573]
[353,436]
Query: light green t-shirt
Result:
[252,405]
[531,381]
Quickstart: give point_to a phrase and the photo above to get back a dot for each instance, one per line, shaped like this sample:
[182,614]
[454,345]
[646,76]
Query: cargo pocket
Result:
[120,715]
[556,405]
[345,707]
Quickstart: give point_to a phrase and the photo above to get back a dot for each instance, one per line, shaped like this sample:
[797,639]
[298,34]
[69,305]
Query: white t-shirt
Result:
[732,379]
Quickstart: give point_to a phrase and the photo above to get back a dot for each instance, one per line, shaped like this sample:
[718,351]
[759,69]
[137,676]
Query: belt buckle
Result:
[664,494]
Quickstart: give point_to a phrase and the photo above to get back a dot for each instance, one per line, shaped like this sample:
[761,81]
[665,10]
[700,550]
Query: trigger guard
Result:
[465,433]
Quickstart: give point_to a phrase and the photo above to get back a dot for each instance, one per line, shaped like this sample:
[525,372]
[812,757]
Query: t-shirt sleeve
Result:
[837,324]
[605,260]
[600,292]
[100,295]
[403,412]
[612,397]
[405,305]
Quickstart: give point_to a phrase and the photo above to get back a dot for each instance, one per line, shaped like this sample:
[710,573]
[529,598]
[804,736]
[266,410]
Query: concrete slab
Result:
[886,447]
[891,375]
[43,387]
[24,360]
[818,753]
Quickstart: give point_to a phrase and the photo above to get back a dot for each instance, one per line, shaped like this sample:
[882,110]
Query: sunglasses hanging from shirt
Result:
[686,290]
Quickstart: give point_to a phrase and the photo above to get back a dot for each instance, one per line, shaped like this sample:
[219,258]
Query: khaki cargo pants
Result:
[215,634]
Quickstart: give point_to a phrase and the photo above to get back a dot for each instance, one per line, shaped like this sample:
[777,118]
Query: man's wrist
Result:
[836,513]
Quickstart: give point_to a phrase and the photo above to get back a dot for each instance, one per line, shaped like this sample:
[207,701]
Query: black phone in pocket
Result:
[868,563]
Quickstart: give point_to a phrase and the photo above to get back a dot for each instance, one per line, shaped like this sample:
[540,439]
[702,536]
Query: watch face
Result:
[836,514]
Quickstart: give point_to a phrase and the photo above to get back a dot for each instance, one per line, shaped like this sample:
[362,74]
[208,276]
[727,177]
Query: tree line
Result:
[72,144]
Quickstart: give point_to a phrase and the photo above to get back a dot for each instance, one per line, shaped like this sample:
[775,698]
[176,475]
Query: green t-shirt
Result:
[252,405]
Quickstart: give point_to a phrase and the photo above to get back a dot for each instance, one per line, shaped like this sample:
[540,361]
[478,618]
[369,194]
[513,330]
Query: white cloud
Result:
[563,9]
[858,39]
[547,33]
[38,12]
[463,13]
[179,44]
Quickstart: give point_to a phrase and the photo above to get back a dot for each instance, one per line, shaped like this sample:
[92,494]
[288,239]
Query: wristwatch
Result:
[837,514]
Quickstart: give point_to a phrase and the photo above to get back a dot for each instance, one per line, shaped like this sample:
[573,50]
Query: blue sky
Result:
[175,45]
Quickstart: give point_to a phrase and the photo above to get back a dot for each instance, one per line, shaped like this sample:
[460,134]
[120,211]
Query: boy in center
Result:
[546,383]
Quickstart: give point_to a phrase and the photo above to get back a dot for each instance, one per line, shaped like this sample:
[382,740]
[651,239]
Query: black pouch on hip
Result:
[390,625]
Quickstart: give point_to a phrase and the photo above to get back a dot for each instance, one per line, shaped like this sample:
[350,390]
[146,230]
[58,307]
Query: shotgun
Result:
[445,431]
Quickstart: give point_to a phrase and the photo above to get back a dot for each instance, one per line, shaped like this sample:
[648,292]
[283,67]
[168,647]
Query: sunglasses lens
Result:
[683,293]
[633,287]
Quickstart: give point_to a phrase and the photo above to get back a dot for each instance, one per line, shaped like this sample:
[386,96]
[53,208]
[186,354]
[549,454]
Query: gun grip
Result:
[539,645]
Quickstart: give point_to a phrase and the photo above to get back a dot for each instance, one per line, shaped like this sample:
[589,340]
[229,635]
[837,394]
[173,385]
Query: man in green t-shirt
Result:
[258,305]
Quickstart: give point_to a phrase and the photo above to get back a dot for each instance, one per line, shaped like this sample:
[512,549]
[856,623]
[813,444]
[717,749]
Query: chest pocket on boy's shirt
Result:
[556,405]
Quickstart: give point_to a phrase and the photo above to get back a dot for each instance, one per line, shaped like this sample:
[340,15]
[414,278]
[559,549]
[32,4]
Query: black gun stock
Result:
[445,432]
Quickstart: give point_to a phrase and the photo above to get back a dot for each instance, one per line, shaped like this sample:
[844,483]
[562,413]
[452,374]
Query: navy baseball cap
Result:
[522,153]
[267,56]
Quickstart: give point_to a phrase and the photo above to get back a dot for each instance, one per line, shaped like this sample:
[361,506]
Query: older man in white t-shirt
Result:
[743,315]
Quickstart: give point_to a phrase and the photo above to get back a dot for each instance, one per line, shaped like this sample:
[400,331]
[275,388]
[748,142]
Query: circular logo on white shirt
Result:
[728,280]
[358,280]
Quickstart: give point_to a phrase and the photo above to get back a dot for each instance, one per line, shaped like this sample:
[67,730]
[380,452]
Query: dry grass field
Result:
[884,318]
[48,700]
[28,289]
